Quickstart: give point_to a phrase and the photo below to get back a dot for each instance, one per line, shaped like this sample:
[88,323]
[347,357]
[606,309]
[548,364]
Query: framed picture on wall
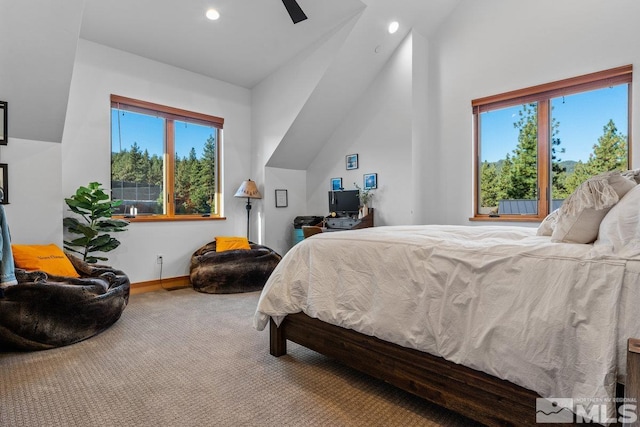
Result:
[370,181]
[281,199]
[336,184]
[4,136]
[4,183]
[352,161]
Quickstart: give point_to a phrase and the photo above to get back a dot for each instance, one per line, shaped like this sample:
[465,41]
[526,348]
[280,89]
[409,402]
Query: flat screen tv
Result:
[344,202]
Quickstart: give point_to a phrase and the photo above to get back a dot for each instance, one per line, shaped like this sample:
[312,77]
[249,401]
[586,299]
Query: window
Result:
[534,146]
[165,162]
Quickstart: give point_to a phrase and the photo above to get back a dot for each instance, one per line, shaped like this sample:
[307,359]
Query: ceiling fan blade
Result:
[295,11]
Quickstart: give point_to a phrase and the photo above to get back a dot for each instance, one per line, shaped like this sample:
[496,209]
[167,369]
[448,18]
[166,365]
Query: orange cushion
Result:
[47,258]
[224,243]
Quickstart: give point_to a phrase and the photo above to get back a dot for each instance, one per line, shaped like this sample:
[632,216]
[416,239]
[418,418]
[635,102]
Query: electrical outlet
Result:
[159,259]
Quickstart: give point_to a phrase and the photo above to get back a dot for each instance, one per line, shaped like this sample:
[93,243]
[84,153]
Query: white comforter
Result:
[498,299]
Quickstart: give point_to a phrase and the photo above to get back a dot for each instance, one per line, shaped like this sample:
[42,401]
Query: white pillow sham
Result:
[548,224]
[620,229]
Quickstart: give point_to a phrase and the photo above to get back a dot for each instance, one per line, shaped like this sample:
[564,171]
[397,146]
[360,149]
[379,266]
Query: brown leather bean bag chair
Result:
[240,270]
[43,312]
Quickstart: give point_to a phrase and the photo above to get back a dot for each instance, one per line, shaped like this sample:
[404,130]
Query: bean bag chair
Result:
[45,311]
[232,271]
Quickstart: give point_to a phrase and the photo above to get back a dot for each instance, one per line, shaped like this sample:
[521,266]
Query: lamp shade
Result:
[249,190]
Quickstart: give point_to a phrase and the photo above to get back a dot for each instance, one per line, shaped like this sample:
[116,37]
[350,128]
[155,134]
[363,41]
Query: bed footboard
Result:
[632,386]
[479,396]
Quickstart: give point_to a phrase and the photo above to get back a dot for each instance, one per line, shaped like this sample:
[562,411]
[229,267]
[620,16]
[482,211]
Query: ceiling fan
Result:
[295,11]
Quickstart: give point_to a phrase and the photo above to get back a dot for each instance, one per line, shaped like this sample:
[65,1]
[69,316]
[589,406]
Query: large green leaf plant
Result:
[94,223]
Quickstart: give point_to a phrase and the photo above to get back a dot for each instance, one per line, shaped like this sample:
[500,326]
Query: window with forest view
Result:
[535,146]
[164,161]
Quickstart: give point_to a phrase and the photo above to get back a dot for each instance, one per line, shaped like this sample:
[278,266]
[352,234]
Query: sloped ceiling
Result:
[38,40]
[251,39]
[361,57]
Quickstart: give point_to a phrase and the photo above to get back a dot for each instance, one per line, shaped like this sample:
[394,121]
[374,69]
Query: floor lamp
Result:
[249,190]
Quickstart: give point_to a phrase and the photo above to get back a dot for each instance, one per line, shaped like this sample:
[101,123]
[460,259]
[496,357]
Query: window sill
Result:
[151,218]
[506,218]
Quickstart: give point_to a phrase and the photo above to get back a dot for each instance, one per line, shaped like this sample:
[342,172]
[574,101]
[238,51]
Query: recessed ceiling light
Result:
[393,27]
[213,14]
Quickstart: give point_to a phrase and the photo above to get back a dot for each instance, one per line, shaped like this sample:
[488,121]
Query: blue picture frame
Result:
[370,181]
[336,184]
[352,161]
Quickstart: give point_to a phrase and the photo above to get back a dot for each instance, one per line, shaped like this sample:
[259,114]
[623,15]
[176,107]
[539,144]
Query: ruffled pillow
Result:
[581,213]
[632,174]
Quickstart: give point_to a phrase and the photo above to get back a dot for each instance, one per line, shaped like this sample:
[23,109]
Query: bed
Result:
[482,320]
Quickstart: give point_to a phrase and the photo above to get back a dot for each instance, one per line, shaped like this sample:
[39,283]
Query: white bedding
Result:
[501,300]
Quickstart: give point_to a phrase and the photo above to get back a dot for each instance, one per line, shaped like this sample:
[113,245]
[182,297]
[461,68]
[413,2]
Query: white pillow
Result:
[620,229]
[548,224]
[581,213]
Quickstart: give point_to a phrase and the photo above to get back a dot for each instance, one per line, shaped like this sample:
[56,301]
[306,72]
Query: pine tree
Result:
[488,185]
[610,153]
[524,176]
[208,172]
[504,179]
[580,174]
[558,173]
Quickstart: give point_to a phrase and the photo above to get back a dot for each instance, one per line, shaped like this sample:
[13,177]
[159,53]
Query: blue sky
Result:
[581,116]
[148,132]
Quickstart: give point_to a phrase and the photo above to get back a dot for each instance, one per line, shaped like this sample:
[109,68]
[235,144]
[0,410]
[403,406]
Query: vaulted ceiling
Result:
[251,40]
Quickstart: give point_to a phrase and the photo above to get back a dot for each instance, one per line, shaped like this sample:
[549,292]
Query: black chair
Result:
[44,311]
[238,270]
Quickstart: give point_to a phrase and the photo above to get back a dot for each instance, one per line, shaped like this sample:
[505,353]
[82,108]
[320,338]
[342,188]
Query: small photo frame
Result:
[352,161]
[4,183]
[336,184]
[4,136]
[281,199]
[370,181]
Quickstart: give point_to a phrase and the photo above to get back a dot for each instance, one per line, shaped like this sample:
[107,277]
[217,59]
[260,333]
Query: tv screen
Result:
[344,202]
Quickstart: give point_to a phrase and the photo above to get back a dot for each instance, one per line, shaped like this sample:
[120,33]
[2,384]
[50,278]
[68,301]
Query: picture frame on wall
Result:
[4,183]
[352,161]
[336,184]
[370,181]
[4,118]
[282,199]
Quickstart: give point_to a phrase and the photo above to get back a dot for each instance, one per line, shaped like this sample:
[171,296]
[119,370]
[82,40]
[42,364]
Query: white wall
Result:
[34,212]
[424,145]
[100,71]
[379,130]
[275,104]
[494,46]
[279,232]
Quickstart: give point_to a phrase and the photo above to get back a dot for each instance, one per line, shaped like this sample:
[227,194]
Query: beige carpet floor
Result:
[183,358]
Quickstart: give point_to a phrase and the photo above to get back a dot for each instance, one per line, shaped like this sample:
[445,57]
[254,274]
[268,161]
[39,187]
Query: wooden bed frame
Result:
[477,395]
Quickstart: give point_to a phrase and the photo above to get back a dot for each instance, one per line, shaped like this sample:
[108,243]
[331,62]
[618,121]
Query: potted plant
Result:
[95,208]
[365,197]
